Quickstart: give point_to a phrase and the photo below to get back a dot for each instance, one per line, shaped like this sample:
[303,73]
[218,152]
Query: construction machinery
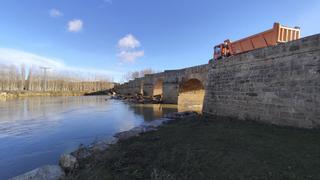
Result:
[278,34]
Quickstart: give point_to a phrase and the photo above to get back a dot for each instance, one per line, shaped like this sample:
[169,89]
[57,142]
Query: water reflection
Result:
[197,108]
[152,111]
[35,131]
[29,114]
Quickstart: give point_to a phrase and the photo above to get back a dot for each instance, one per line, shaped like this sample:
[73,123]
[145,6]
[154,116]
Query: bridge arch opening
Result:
[158,87]
[191,95]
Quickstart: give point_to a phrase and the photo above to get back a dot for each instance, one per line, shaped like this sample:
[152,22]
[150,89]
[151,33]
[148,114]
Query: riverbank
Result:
[18,94]
[209,148]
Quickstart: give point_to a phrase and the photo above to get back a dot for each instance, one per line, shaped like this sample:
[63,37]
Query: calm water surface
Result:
[35,131]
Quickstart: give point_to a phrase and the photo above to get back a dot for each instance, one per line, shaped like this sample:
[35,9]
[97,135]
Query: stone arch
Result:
[158,87]
[191,95]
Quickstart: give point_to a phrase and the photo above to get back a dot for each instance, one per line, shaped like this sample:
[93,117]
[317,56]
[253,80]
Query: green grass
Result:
[210,148]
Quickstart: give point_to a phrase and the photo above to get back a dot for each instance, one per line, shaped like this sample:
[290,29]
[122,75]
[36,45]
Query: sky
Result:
[113,37]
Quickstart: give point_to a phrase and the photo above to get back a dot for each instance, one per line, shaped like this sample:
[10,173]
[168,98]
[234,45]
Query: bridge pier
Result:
[191,95]
[170,93]
[147,87]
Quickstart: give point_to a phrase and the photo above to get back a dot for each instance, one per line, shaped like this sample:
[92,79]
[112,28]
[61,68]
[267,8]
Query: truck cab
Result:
[222,50]
[217,52]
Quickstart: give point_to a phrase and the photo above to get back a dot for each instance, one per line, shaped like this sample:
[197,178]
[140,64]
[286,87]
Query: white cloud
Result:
[55,13]
[128,42]
[130,56]
[18,57]
[75,25]
[128,52]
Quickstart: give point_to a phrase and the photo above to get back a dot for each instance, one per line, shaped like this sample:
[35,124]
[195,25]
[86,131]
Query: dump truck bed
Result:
[278,34]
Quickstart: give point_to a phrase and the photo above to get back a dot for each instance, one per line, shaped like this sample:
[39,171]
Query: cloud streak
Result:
[108,1]
[130,56]
[55,13]
[18,57]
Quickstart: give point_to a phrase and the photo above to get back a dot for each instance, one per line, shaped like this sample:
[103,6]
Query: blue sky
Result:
[117,36]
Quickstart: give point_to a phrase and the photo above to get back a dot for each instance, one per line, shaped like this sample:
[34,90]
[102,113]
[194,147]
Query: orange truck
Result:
[278,34]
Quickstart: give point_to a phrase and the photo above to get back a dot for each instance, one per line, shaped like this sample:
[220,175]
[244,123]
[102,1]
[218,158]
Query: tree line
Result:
[137,74]
[20,78]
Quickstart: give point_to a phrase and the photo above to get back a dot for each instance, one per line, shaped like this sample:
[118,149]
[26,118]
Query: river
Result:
[35,131]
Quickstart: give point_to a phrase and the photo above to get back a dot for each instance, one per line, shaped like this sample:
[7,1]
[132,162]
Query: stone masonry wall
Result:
[279,85]
[191,100]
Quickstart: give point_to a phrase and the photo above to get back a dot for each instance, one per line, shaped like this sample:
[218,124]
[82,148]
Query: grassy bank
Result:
[17,94]
[210,148]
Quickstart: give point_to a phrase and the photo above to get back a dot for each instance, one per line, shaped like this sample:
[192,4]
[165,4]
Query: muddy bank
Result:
[100,93]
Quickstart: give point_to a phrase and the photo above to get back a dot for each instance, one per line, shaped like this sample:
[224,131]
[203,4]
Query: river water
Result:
[35,131]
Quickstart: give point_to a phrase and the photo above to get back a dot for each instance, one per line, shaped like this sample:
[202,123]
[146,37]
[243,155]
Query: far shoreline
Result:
[22,94]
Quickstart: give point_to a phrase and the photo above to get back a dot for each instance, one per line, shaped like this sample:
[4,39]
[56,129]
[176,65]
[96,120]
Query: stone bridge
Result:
[184,86]
[278,84]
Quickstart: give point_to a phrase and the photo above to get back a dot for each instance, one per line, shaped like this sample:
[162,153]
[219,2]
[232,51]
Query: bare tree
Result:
[146,71]
[137,74]
[23,77]
[13,79]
